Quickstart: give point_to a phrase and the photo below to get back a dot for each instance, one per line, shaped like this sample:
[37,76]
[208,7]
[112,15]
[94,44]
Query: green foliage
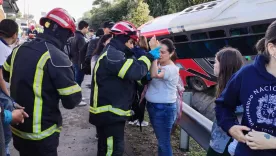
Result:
[164,7]
[136,11]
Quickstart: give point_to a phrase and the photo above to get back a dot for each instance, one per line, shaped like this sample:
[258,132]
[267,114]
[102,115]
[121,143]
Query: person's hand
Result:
[155,53]
[260,140]
[18,116]
[153,43]
[237,132]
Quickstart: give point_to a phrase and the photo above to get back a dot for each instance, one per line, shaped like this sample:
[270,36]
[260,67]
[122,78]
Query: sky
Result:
[38,6]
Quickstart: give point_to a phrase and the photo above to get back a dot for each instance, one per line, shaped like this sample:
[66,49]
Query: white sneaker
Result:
[143,124]
[82,103]
[83,99]
[133,122]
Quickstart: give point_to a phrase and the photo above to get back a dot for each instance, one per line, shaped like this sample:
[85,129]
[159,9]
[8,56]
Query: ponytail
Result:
[260,46]
[262,50]
[174,57]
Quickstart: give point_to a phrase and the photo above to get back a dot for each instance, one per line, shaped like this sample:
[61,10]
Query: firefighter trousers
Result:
[111,139]
[45,147]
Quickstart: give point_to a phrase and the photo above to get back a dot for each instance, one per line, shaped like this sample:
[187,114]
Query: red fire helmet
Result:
[61,17]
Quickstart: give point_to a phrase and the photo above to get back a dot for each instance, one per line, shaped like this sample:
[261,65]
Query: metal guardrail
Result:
[196,125]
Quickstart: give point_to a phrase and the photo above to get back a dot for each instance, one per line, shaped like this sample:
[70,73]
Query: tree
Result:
[114,12]
[102,3]
[19,15]
[164,7]
[138,13]
[87,15]
[157,7]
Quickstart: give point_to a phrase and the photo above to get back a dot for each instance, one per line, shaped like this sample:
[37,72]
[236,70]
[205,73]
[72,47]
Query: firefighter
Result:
[32,31]
[41,74]
[114,87]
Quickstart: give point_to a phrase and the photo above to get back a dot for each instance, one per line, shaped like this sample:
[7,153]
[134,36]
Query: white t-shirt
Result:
[5,51]
[164,90]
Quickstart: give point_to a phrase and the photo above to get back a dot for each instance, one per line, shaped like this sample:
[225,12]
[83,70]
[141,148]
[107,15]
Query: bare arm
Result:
[154,71]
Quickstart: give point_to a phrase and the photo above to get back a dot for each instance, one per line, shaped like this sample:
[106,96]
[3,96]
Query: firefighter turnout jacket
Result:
[40,74]
[114,83]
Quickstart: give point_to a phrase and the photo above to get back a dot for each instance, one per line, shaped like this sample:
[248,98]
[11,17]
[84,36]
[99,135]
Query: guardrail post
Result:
[184,137]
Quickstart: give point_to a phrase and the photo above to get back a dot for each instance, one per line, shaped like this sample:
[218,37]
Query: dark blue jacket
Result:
[138,52]
[255,89]
[7,103]
[113,87]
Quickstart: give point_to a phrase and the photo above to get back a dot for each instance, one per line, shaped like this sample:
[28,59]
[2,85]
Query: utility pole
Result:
[24,9]
[28,13]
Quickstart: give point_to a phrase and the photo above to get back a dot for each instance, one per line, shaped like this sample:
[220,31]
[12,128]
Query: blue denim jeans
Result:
[8,150]
[79,75]
[162,117]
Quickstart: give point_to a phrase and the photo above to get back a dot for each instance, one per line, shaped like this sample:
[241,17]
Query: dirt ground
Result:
[145,144]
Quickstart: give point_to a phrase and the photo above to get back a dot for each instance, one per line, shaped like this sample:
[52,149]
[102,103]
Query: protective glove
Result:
[155,52]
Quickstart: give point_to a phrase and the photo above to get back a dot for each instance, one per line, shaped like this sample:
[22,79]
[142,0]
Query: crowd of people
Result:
[128,74]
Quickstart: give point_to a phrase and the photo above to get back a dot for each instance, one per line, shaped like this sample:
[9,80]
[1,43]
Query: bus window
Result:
[238,31]
[217,34]
[189,10]
[200,7]
[245,44]
[261,28]
[182,38]
[214,46]
[183,51]
[199,36]
[199,49]
[211,5]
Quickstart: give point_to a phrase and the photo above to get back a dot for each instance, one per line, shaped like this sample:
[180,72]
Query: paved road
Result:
[77,136]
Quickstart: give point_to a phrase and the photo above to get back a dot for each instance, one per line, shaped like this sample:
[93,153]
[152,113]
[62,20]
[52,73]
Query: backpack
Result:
[179,103]
[85,61]
[179,100]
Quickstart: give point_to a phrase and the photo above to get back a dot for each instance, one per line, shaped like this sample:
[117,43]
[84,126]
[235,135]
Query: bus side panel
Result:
[184,74]
[188,68]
